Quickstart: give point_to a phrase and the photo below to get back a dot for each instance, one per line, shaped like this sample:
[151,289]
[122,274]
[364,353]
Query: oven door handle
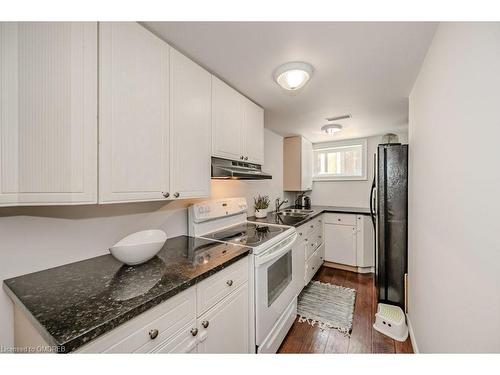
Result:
[260,260]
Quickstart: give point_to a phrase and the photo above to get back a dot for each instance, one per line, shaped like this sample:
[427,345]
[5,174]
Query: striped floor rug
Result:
[327,305]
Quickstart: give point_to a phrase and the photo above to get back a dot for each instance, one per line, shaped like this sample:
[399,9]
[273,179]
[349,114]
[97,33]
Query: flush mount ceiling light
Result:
[294,75]
[331,128]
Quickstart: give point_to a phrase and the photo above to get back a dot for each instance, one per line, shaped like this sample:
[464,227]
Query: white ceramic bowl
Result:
[139,247]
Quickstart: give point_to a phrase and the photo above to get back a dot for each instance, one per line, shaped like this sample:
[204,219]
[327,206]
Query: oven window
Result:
[279,275]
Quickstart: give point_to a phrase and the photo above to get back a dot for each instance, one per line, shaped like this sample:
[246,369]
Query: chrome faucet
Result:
[279,204]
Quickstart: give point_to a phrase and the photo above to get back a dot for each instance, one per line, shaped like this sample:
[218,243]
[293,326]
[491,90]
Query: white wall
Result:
[36,238]
[350,193]
[454,202]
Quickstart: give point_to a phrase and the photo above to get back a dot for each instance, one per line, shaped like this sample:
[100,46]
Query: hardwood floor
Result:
[304,338]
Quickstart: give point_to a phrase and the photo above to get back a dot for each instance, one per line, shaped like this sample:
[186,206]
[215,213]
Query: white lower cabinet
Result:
[349,240]
[225,327]
[179,326]
[308,252]
[182,342]
[341,244]
[299,265]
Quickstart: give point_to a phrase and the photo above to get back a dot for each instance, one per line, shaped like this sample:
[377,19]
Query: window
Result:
[342,160]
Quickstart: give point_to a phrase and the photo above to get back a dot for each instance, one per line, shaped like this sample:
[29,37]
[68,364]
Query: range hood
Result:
[237,170]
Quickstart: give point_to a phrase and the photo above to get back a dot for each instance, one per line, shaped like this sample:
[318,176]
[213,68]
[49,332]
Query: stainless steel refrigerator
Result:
[389,211]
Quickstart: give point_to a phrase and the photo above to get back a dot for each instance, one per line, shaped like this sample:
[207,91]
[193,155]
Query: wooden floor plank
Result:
[304,338]
[404,347]
[337,342]
[361,335]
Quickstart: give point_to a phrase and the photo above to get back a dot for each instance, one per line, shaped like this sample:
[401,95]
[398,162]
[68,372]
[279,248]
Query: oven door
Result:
[274,287]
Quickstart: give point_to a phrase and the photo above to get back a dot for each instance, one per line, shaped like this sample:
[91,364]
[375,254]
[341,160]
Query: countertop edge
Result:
[316,213]
[75,343]
[36,324]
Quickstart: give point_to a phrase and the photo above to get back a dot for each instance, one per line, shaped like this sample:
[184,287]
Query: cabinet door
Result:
[48,113]
[133,123]
[299,266]
[224,328]
[227,121]
[307,164]
[340,244]
[253,132]
[190,127]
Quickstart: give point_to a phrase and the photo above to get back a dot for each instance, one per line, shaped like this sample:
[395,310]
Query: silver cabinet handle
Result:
[166,195]
[205,323]
[176,195]
[153,334]
[229,282]
[194,331]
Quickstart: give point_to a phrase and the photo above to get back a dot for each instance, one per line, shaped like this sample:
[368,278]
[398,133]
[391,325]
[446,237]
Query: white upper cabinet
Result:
[253,133]
[227,121]
[297,164]
[48,113]
[190,128]
[237,125]
[134,114]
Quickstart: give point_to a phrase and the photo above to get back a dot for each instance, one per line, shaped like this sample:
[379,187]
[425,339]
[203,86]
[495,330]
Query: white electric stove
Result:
[225,220]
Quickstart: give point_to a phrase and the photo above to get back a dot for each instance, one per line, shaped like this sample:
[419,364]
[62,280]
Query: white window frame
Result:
[350,142]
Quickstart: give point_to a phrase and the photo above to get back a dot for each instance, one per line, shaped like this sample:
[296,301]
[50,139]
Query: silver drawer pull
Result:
[194,331]
[205,324]
[229,282]
[153,334]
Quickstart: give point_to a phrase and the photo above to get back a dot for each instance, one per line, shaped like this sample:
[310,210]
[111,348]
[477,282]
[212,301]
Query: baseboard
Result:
[349,268]
[412,335]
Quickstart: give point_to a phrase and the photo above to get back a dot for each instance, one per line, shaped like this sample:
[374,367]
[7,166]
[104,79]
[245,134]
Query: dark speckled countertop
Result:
[272,218]
[75,303]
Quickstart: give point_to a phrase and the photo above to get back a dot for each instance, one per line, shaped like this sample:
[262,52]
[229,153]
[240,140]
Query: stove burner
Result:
[250,234]
[253,240]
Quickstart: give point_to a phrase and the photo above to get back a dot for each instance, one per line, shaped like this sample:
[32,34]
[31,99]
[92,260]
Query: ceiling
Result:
[366,69]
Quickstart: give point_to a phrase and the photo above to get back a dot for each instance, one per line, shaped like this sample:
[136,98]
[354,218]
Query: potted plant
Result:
[261,204]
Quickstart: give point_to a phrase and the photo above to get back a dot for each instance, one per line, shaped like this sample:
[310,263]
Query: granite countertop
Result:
[272,218]
[75,303]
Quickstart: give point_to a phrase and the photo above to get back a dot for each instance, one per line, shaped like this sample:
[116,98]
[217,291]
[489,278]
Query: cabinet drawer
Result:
[215,288]
[183,342]
[312,243]
[342,219]
[311,267]
[133,336]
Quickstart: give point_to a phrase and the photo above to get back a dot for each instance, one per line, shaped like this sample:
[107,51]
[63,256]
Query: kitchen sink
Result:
[293,214]
[297,211]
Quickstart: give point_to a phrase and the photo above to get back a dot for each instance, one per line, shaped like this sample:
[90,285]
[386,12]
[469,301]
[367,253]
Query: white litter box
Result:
[390,320]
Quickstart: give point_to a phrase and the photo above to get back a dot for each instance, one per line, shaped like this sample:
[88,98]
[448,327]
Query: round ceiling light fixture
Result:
[331,129]
[293,75]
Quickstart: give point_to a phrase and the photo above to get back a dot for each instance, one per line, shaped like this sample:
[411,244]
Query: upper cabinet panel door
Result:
[190,127]
[253,132]
[48,113]
[134,114]
[307,165]
[227,121]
